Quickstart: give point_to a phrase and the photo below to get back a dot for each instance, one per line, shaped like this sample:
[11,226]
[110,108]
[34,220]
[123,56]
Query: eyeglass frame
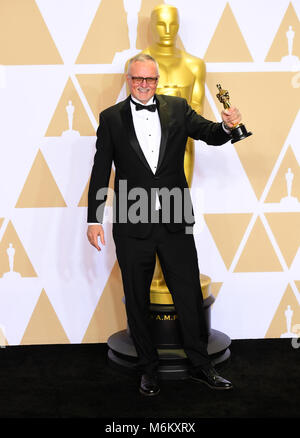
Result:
[142,79]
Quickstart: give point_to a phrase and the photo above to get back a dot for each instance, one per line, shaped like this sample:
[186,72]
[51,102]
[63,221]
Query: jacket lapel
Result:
[128,124]
[164,123]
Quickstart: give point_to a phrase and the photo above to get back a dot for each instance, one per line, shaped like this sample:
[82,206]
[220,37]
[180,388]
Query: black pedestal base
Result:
[173,362]
[165,329]
[239,133]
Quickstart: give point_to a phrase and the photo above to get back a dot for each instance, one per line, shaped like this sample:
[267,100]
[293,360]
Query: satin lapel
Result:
[164,122]
[128,124]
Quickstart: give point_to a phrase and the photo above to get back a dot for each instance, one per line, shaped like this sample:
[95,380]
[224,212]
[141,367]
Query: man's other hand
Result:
[93,232]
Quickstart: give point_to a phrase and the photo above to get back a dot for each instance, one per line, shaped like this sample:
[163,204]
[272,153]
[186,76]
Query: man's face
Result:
[142,90]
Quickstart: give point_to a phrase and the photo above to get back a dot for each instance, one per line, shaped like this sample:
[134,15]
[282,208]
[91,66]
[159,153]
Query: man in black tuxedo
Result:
[147,146]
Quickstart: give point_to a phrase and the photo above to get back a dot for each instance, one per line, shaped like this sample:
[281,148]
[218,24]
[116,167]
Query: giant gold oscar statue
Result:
[181,74]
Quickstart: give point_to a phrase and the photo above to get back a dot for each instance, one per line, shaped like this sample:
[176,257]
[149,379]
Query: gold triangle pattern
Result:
[227,46]
[70,115]
[258,254]
[281,47]
[253,93]
[286,317]
[40,189]
[101,90]
[109,202]
[227,230]
[109,315]
[287,236]
[44,326]
[35,45]
[108,34]
[286,183]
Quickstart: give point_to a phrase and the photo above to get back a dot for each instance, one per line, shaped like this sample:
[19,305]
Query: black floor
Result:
[76,381]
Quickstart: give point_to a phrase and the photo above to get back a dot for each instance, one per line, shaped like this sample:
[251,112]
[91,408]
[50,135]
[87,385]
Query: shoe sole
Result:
[224,388]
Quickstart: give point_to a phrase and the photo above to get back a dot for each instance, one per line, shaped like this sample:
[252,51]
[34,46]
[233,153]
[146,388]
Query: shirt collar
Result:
[150,102]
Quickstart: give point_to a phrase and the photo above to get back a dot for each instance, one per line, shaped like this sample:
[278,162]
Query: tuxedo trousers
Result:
[179,262]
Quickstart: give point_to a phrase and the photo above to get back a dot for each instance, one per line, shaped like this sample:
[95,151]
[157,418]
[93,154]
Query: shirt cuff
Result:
[227,130]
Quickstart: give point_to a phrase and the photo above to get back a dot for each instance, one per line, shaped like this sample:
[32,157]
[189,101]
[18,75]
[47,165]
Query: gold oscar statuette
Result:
[239,131]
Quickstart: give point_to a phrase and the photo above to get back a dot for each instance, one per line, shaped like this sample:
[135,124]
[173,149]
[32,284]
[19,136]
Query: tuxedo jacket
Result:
[117,143]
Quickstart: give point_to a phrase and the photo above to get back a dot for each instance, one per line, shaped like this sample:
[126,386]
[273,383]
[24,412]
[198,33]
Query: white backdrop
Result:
[55,288]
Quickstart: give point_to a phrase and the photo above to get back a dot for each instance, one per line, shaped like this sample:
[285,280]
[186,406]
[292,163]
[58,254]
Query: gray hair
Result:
[141,57]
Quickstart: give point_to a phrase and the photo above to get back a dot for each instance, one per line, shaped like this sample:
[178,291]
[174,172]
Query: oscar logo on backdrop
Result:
[132,8]
[289,200]
[288,316]
[183,75]
[70,133]
[290,59]
[11,256]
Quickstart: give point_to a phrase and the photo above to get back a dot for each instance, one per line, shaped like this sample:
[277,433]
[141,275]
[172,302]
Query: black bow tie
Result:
[140,107]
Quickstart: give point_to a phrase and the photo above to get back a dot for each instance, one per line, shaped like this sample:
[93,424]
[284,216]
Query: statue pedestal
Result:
[167,337]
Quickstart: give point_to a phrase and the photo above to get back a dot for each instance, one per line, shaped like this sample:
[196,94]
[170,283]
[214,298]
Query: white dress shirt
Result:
[148,131]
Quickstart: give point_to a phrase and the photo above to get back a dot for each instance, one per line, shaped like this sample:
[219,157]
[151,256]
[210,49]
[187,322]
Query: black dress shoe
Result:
[211,378]
[149,385]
